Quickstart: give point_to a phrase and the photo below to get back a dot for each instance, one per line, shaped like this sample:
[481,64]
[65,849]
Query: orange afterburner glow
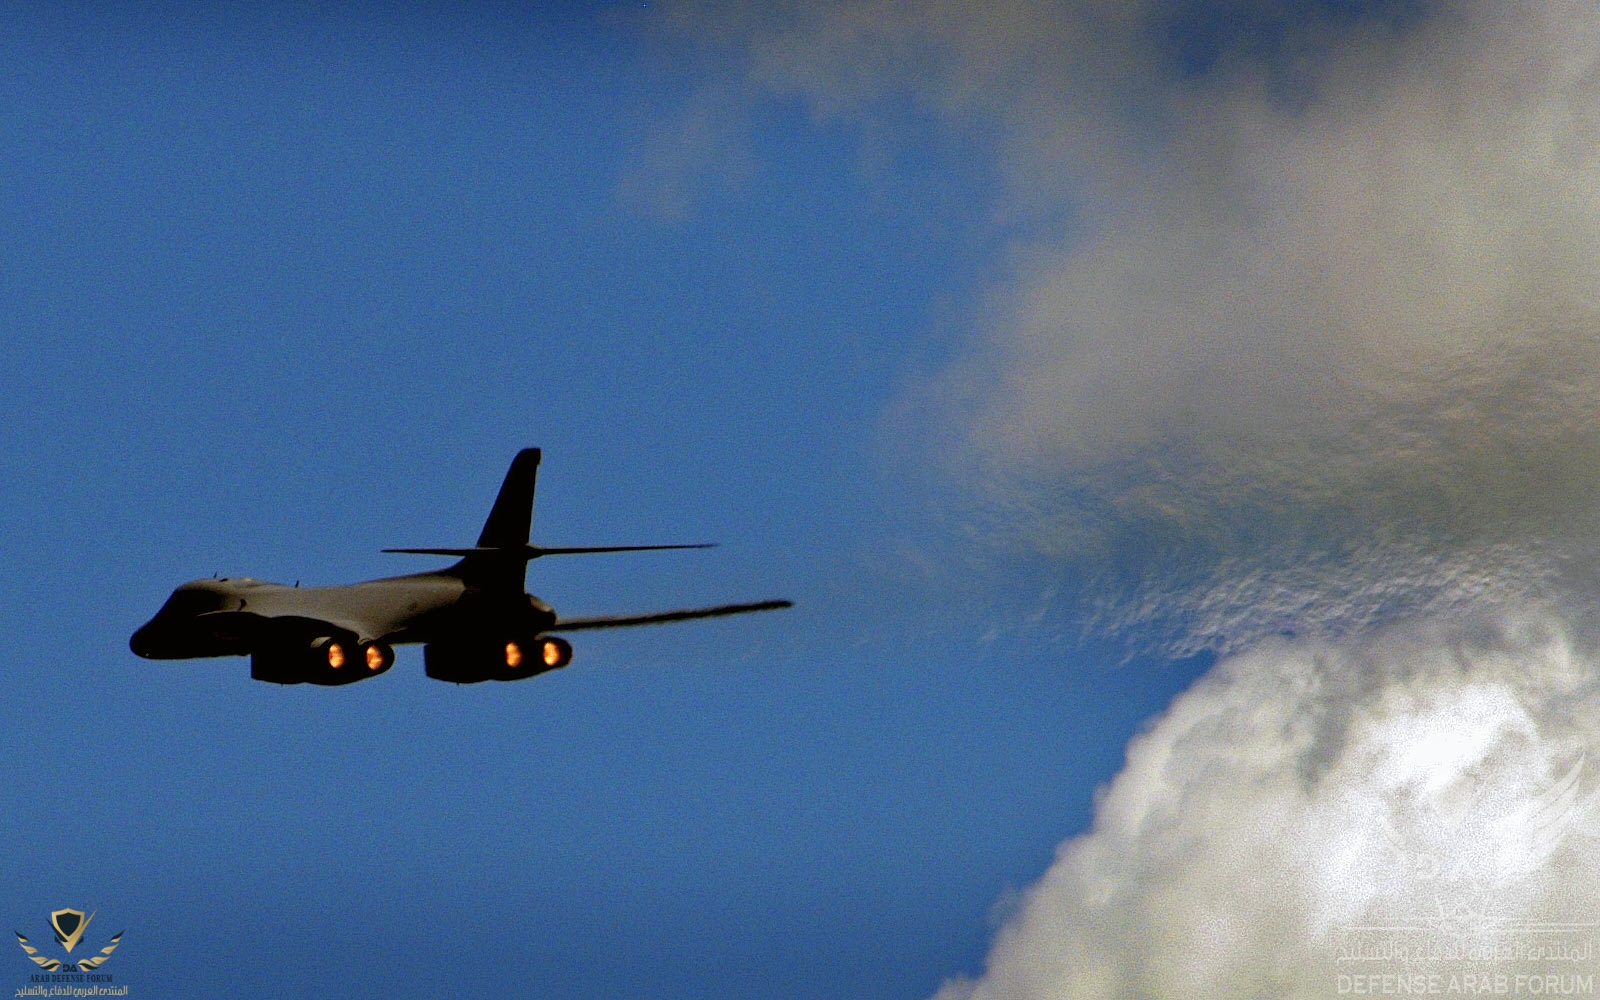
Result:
[374,657]
[513,655]
[335,655]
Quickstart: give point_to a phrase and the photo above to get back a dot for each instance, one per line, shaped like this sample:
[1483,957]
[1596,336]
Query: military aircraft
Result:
[473,618]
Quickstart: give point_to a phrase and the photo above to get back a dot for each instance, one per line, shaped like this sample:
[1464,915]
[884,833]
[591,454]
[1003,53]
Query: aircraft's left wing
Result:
[622,621]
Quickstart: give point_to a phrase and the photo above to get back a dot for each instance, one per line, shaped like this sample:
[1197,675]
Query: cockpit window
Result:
[188,603]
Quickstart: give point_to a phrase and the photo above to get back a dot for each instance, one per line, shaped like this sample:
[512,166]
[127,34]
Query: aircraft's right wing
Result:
[621,621]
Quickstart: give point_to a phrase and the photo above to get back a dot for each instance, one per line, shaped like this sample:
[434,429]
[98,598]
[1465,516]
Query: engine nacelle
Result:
[481,614]
[325,660]
[512,659]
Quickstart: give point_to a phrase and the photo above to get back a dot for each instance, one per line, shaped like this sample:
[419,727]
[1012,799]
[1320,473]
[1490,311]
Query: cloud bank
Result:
[1297,359]
[1321,298]
[1413,806]
[1357,336]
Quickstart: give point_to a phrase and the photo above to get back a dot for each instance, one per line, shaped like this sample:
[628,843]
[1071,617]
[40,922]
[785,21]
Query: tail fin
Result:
[500,559]
[512,514]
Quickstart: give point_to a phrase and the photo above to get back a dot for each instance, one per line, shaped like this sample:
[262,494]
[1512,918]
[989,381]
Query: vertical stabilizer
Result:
[512,514]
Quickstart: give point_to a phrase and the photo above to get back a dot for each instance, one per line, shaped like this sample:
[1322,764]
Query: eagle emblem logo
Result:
[69,926]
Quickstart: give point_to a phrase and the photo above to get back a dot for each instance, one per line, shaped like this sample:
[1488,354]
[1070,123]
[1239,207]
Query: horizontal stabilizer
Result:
[543,550]
[535,551]
[622,621]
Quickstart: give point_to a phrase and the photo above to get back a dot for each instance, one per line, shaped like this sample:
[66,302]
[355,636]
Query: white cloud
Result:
[1336,295]
[1303,791]
[1373,318]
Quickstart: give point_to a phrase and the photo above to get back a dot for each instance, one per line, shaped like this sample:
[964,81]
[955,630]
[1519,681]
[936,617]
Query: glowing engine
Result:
[326,660]
[510,660]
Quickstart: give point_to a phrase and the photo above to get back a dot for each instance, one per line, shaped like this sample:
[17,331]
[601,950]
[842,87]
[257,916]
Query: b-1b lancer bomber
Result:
[473,618]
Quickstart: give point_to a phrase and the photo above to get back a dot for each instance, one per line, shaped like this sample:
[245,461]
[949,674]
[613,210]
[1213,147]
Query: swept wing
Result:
[622,621]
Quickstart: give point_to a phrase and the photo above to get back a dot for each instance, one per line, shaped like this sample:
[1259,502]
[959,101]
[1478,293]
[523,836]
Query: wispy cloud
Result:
[1322,292]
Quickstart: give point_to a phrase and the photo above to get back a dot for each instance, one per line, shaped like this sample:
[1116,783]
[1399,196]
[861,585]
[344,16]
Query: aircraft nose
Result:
[140,641]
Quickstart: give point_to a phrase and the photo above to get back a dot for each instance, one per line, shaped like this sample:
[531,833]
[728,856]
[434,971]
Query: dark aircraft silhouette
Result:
[474,619]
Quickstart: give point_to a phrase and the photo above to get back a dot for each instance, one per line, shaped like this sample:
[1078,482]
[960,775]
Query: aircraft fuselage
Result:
[224,617]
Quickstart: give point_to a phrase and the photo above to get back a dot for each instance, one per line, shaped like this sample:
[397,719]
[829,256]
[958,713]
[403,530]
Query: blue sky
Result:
[283,286]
